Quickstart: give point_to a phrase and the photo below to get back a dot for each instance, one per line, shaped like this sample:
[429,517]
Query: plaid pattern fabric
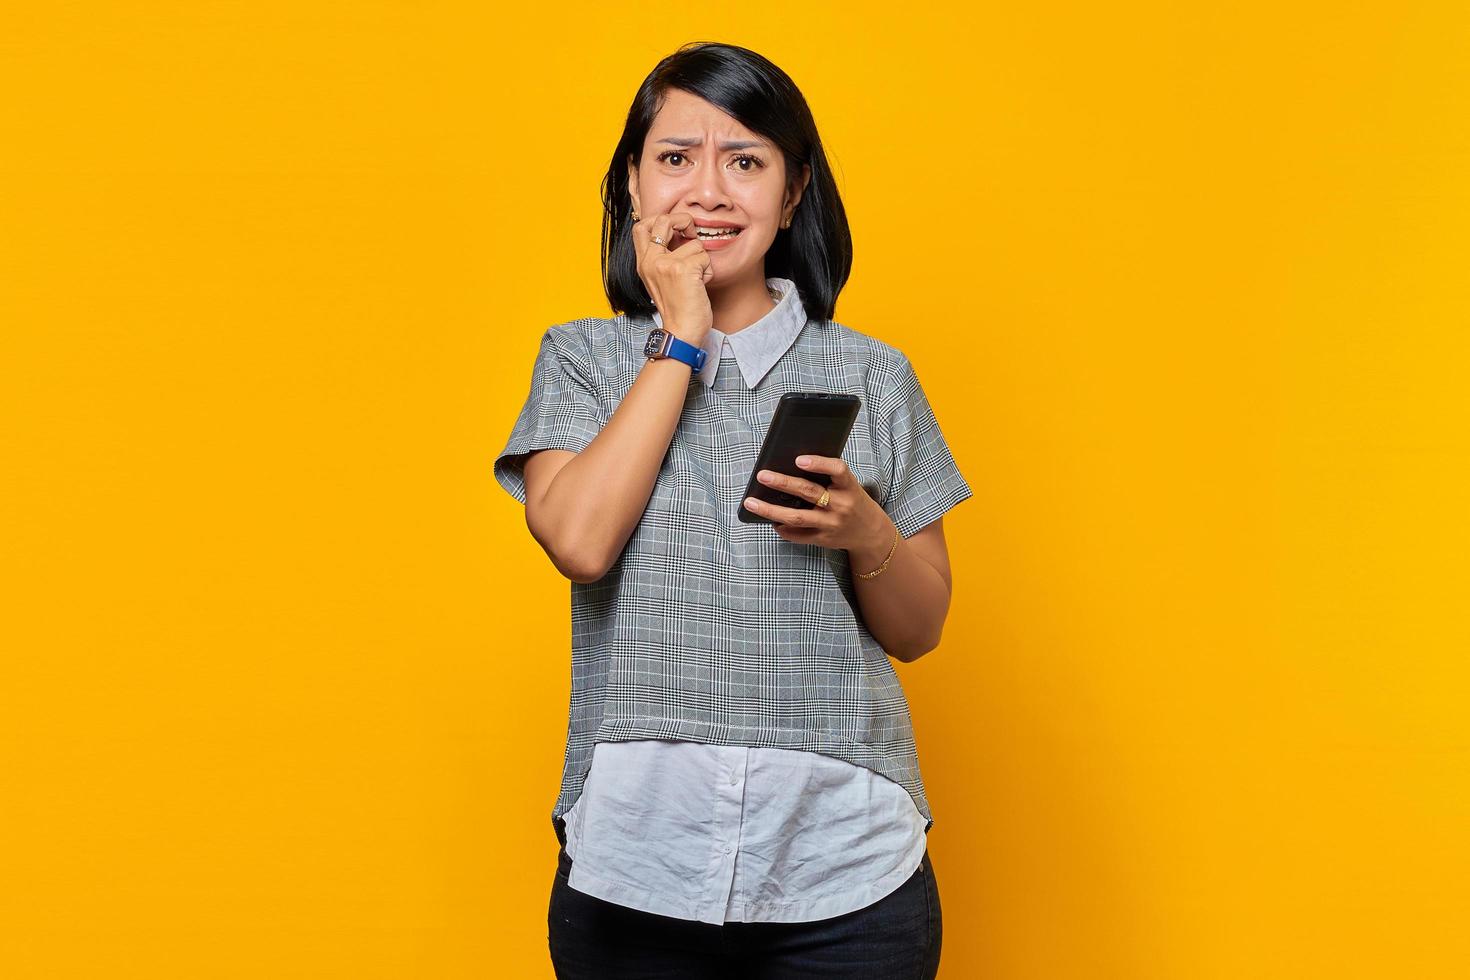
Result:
[717,631]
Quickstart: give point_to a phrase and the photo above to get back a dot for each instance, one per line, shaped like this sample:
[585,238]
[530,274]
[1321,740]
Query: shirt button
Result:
[734,778]
[727,848]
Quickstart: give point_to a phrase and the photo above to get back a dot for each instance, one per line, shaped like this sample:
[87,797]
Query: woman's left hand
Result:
[852,519]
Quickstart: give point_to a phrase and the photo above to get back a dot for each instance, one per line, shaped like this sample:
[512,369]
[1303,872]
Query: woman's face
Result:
[698,159]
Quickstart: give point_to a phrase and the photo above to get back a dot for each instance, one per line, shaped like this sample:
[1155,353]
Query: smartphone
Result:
[812,422]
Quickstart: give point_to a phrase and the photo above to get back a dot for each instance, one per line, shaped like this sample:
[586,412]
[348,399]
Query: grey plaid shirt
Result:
[713,630]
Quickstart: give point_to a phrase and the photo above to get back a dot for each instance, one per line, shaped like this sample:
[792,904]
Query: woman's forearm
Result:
[905,607]
[595,500]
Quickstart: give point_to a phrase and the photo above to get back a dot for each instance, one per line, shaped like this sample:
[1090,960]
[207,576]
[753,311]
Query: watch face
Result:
[653,347]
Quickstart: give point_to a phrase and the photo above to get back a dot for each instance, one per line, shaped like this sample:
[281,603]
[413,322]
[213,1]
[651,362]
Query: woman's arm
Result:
[905,607]
[582,507]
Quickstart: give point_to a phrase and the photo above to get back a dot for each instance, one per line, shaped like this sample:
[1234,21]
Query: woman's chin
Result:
[723,266]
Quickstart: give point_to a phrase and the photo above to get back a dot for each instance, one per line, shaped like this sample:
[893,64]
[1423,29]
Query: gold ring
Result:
[825,497]
[659,241]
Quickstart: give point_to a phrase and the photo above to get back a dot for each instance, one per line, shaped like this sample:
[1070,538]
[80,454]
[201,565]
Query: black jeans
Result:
[895,938]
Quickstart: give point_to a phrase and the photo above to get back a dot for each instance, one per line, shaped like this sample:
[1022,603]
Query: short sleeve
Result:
[923,480]
[561,412]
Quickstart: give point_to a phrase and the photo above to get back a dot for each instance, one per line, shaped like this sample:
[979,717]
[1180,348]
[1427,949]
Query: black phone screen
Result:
[805,422]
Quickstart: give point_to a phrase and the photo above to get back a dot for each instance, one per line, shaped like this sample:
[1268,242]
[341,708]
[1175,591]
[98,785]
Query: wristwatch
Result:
[662,344]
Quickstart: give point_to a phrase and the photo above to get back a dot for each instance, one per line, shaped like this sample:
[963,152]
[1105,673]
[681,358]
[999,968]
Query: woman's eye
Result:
[668,155]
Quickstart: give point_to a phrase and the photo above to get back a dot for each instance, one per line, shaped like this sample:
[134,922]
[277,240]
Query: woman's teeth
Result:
[726,233]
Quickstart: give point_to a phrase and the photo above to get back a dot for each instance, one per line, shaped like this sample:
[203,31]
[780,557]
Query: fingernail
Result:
[763,476]
[803,460]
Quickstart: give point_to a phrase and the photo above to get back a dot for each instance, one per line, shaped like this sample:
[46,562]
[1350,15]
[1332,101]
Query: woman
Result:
[740,793]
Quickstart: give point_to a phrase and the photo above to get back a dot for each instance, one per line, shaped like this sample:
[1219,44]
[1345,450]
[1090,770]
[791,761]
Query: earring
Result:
[635,216]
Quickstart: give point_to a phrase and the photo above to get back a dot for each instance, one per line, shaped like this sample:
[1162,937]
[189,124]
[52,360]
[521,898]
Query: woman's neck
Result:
[738,306]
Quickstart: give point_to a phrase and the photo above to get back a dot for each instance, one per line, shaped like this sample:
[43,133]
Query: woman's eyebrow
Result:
[727,145]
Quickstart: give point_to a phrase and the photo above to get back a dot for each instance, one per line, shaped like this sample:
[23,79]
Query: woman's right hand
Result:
[675,274]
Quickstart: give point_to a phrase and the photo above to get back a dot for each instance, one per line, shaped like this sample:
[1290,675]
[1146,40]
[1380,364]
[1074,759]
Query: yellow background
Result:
[285,678]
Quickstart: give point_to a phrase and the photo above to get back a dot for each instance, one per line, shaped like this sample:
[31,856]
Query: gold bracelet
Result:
[875,572]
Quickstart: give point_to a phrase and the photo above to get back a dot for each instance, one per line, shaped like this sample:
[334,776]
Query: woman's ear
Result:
[806,178]
[633,181]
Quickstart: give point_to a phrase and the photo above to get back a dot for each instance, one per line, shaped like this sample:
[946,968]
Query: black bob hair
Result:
[815,252]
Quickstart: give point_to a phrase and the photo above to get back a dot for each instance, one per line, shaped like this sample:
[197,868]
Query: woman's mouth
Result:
[716,233]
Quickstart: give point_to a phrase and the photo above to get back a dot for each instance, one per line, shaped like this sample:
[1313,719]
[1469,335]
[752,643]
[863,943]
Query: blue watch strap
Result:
[682,350]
